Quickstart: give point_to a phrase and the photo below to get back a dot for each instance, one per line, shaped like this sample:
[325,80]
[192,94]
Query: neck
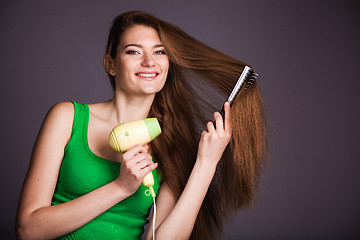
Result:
[129,108]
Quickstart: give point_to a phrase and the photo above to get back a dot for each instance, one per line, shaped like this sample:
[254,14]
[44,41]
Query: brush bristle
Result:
[244,83]
[250,79]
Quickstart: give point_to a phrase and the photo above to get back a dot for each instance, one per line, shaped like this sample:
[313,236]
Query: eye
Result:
[132,52]
[161,52]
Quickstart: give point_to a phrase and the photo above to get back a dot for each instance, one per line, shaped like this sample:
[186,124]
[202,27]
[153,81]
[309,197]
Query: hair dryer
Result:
[127,135]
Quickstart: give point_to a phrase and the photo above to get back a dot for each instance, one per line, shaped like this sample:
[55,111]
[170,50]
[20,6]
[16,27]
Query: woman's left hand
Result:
[214,141]
[170,208]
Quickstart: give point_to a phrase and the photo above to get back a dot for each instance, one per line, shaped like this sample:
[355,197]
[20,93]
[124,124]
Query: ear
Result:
[109,65]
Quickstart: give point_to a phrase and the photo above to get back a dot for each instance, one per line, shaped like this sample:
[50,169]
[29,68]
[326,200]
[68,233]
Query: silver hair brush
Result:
[245,81]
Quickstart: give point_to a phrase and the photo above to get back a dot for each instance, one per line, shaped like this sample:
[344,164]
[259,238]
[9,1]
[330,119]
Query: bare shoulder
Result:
[60,118]
[61,112]
[62,109]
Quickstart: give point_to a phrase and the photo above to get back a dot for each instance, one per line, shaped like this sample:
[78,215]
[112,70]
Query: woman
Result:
[75,186]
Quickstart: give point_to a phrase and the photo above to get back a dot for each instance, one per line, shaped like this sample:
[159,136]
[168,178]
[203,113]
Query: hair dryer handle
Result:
[148,182]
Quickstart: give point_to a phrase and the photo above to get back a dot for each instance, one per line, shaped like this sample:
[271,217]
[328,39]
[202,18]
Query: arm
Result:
[175,220]
[36,218]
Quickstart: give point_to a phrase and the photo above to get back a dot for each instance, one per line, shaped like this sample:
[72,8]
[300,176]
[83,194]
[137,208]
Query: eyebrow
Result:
[140,46]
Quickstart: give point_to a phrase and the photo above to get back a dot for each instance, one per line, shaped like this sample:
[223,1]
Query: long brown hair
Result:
[179,112]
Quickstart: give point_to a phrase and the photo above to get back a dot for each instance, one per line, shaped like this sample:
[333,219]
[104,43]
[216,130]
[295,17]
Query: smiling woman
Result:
[77,187]
[141,65]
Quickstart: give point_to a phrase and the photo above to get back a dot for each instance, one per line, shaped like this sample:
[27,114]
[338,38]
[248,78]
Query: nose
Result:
[148,60]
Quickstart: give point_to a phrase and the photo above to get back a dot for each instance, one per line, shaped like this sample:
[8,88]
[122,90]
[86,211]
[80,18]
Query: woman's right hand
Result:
[136,163]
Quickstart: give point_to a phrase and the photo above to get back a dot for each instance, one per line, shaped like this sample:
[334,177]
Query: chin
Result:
[151,91]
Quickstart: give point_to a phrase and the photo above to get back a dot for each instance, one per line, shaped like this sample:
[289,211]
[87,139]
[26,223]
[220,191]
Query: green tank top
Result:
[82,171]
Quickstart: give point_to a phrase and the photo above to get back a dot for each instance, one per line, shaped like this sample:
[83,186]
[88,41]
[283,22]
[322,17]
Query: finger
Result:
[227,120]
[218,121]
[135,150]
[203,133]
[137,163]
[210,127]
[132,163]
[133,157]
[144,161]
[145,170]
[148,169]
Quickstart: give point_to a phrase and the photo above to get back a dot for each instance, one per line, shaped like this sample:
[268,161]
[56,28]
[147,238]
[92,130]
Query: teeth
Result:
[147,75]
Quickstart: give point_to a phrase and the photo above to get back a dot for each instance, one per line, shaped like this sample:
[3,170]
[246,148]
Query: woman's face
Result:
[141,65]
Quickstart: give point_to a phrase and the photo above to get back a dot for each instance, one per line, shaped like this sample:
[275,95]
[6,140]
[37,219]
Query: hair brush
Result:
[245,81]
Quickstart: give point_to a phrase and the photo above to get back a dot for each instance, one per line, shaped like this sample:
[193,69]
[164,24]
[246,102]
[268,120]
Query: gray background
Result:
[307,55]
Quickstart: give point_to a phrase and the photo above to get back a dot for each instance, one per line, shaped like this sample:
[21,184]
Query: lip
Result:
[147,75]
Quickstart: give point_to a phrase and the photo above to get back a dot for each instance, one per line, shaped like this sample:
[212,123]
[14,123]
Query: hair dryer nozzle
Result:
[153,127]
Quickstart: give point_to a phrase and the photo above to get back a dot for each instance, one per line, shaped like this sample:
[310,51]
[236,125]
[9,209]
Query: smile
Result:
[146,75]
